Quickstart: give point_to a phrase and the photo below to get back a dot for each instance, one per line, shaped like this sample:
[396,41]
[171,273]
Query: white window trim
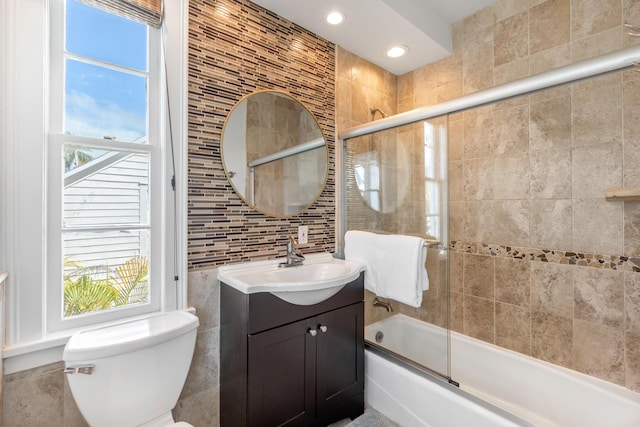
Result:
[54,255]
[24,97]
[156,148]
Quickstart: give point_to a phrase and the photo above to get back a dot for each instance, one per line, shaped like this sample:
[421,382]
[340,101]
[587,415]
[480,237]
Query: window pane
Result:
[432,197]
[105,270]
[96,34]
[105,187]
[103,102]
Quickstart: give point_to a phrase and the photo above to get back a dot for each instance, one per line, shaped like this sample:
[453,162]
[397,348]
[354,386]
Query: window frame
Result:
[371,190]
[55,320]
[435,160]
[25,115]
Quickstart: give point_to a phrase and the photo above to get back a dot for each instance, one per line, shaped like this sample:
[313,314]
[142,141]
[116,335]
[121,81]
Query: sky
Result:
[101,101]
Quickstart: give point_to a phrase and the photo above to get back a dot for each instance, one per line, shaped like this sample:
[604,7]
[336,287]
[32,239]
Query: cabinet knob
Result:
[323,328]
[313,332]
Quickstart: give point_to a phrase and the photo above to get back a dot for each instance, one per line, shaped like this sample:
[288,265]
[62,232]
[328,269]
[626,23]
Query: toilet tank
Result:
[139,368]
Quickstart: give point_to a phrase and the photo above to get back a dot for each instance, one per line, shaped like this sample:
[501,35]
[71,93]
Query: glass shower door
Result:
[396,183]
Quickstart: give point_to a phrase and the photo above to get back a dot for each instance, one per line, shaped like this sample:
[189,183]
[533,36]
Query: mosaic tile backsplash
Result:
[236,48]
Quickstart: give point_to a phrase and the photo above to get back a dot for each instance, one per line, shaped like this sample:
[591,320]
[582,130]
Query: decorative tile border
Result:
[609,262]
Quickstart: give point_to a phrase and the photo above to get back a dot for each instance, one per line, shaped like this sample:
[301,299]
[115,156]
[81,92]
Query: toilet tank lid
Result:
[128,336]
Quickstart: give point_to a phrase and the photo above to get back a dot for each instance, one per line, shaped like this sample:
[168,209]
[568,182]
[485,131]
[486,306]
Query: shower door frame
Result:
[620,60]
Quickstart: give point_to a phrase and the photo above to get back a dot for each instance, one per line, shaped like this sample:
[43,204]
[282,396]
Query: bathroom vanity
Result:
[286,364]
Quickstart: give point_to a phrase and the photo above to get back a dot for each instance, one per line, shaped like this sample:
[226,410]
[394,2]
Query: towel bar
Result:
[431,243]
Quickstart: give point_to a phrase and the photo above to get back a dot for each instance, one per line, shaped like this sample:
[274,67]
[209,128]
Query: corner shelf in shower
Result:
[628,194]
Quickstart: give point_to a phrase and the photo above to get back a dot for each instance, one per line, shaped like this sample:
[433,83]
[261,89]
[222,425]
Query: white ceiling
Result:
[371,27]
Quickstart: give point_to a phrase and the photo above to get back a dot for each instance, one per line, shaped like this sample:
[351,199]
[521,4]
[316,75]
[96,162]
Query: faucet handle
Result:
[292,248]
[293,256]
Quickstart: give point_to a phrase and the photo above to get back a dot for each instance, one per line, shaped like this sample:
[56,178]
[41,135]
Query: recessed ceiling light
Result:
[397,51]
[335,18]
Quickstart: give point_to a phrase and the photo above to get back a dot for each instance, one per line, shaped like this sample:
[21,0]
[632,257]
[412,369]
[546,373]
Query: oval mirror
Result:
[274,153]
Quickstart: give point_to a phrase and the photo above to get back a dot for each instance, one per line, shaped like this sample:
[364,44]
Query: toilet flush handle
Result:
[80,369]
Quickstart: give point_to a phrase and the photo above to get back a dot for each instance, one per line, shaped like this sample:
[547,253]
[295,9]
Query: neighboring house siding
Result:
[115,195]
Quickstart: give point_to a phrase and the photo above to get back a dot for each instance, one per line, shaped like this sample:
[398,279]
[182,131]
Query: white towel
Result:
[395,264]
[362,247]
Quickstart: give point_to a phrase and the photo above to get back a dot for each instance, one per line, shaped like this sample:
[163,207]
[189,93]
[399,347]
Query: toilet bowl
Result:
[131,373]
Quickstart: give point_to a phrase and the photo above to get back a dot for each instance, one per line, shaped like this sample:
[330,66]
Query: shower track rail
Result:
[620,60]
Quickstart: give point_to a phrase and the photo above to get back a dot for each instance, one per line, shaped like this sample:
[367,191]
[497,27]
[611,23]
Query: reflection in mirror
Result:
[381,169]
[396,180]
[274,153]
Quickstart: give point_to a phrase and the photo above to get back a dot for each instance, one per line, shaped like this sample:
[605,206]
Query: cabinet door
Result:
[281,376]
[340,356]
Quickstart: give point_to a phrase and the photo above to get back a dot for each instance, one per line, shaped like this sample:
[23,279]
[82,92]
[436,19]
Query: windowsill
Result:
[47,350]
[34,354]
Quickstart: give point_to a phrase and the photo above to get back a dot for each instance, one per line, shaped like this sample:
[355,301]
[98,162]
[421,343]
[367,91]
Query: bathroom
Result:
[531,313]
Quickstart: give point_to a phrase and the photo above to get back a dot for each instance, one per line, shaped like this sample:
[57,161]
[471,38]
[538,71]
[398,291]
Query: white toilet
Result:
[131,373]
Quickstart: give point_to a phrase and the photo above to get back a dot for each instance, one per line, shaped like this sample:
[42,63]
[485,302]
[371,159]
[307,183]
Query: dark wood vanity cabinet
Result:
[290,365]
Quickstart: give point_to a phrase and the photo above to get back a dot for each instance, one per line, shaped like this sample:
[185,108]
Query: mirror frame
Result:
[227,172]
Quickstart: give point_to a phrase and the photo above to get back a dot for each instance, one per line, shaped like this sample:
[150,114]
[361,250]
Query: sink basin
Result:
[320,277]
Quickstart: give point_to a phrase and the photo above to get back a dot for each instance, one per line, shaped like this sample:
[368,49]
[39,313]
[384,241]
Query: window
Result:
[104,177]
[367,172]
[36,190]
[434,173]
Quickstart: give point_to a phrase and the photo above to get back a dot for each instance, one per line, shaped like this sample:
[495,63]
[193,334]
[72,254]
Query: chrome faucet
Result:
[379,303]
[294,257]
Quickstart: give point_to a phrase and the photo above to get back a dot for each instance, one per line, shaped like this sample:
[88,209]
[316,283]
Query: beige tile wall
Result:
[361,86]
[542,264]
[40,397]
[531,173]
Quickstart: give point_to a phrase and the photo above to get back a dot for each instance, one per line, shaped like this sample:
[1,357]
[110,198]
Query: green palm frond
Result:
[69,262]
[131,280]
[94,288]
[85,295]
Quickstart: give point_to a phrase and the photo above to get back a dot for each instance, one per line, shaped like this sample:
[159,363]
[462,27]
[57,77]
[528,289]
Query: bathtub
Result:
[498,387]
